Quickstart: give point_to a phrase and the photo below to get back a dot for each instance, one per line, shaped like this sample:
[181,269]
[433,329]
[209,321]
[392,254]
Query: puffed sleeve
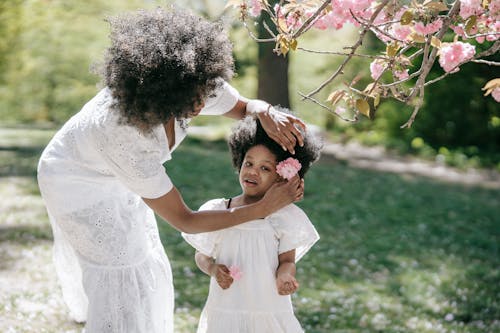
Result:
[222,101]
[294,230]
[133,157]
[207,242]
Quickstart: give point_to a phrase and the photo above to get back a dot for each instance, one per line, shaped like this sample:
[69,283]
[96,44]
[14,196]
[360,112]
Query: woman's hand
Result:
[281,127]
[283,193]
[221,275]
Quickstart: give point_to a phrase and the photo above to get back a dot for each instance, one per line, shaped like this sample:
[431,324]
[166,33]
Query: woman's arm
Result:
[281,127]
[285,274]
[171,207]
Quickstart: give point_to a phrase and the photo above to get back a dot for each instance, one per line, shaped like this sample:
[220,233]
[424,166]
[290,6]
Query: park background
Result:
[404,251]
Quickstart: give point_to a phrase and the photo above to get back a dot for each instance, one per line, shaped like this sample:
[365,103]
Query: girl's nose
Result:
[252,170]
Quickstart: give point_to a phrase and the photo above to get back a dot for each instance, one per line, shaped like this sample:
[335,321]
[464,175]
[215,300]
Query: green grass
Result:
[397,253]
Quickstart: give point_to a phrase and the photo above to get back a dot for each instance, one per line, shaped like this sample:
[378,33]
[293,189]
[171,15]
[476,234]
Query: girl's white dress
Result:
[112,267]
[252,304]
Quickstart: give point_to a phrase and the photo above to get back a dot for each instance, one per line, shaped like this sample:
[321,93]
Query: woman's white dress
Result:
[112,267]
[252,304]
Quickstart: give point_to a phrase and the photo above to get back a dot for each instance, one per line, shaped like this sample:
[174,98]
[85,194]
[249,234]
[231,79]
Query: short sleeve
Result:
[223,100]
[135,158]
[294,231]
[207,242]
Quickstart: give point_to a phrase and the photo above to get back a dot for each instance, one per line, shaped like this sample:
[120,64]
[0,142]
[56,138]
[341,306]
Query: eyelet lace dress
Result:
[112,267]
[252,303]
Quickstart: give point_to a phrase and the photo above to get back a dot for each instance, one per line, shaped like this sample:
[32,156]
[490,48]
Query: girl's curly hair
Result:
[162,62]
[249,133]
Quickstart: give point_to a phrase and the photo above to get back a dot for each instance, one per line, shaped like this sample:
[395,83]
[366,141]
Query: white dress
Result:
[252,303]
[112,267]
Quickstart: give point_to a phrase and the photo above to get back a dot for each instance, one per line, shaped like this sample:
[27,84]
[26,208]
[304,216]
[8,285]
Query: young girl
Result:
[252,265]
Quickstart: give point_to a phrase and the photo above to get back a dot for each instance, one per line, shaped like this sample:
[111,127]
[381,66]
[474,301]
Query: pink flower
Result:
[470,7]
[453,54]
[402,74]
[401,32]
[496,94]
[255,7]
[235,272]
[429,28]
[288,168]
[376,68]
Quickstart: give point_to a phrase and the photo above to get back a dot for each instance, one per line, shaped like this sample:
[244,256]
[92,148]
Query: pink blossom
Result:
[255,7]
[458,29]
[293,20]
[360,8]
[235,272]
[401,32]
[377,68]
[494,9]
[401,75]
[329,20]
[470,7]
[428,29]
[453,54]
[288,168]
[496,94]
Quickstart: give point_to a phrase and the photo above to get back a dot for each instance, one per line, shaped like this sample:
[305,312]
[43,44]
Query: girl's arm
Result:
[285,274]
[171,207]
[278,125]
[207,265]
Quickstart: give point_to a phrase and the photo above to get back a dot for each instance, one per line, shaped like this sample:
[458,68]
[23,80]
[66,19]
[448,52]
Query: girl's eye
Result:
[265,168]
[247,164]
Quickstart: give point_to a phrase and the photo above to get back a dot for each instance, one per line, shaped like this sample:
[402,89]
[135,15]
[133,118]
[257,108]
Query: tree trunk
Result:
[272,69]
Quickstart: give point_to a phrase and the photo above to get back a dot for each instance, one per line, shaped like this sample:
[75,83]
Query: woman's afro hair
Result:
[249,133]
[162,62]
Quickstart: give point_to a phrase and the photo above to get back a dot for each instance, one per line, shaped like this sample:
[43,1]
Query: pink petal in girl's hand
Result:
[235,272]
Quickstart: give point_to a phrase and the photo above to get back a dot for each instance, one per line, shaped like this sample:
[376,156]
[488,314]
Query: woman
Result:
[102,175]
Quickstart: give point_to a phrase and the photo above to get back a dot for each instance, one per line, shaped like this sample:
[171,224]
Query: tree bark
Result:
[272,69]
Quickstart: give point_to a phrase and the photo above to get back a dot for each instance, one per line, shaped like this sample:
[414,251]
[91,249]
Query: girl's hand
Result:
[286,284]
[221,275]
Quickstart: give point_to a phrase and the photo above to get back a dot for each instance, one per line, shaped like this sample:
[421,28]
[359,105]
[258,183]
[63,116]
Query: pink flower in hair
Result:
[288,168]
[235,272]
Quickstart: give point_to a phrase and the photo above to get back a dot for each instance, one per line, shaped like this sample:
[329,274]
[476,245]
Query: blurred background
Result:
[409,218]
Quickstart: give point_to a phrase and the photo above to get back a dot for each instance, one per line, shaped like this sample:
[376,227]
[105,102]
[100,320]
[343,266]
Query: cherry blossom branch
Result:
[355,119]
[353,51]
[342,53]
[310,20]
[427,63]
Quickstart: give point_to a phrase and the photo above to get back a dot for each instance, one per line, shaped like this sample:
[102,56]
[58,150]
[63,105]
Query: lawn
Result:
[397,253]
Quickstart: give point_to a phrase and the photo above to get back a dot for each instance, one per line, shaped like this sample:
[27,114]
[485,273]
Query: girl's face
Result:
[258,171]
